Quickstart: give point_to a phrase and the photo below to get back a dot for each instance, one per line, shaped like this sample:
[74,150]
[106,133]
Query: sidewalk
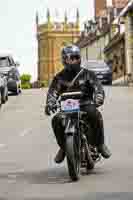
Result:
[120,82]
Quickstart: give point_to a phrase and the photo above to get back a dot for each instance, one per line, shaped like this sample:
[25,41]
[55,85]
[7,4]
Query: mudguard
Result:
[70,127]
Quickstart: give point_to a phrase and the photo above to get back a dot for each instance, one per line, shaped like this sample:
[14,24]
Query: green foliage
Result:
[26,86]
[25,78]
[25,81]
[44,83]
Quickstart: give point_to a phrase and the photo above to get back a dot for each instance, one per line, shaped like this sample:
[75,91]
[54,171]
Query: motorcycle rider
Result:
[91,89]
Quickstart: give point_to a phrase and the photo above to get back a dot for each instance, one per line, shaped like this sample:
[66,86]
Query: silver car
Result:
[9,68]
[101,70]
[3,89]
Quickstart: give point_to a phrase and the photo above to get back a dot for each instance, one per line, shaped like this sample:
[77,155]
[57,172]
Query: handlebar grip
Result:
[87,103]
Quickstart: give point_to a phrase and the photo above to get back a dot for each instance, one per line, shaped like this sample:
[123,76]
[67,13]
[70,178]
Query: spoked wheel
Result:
[89,166]
[90,162]
[73,157]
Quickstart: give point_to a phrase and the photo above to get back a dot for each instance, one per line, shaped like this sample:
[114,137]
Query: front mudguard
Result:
[70,127]
[71,134]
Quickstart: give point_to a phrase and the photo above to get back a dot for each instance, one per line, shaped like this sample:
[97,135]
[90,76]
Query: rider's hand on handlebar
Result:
[47,110]
[50,108]
[99,99]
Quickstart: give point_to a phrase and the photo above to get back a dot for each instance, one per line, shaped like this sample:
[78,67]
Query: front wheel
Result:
[73,158]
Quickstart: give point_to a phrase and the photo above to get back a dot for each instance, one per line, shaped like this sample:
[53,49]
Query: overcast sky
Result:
[18,30]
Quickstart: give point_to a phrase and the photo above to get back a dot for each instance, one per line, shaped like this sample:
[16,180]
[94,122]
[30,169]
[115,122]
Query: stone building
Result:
[100,5]
[120,48]
[115,54]
[52,37]
[119,3]
[92,46]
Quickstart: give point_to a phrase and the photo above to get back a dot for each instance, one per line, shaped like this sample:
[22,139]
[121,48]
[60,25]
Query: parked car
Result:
[101,69]
[9,68]
[3,89]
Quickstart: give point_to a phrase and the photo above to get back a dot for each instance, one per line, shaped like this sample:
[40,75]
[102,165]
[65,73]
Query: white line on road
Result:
[3,145]
[25,132]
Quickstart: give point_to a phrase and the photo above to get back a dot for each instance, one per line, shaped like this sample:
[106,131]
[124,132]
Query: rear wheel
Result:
[73,158]
[90,166]
[90,162]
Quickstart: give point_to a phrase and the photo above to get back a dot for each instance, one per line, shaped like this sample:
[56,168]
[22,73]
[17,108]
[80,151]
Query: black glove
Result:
[47,110]
[99,100]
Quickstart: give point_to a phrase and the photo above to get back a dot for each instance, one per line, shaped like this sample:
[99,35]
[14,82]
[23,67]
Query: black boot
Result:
[59,134]
[60,156]
[105,152]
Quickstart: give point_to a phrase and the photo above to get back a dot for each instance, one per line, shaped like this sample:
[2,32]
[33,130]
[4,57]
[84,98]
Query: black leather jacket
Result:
[86,82]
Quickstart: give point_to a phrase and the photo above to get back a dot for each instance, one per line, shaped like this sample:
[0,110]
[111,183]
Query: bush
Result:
[25,81]
[44,83]
[26,86]
[25,78]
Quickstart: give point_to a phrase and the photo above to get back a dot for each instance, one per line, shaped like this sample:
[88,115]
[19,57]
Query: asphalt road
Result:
[27,149]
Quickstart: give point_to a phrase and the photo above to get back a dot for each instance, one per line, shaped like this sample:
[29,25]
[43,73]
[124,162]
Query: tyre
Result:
[90,166]
[0,99]
[17,91]
[7,97]
[109,82]
[4,95]
[90,162]
[73,158]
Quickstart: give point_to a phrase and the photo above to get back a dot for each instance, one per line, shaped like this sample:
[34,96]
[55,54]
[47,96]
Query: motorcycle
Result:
[79,151]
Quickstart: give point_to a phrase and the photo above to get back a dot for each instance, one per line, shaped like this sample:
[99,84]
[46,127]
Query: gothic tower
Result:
[52,36]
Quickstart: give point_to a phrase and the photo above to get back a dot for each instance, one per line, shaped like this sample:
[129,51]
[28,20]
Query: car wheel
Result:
[7,95]
[17,91]
[109,83]
[3,95]
[0,99]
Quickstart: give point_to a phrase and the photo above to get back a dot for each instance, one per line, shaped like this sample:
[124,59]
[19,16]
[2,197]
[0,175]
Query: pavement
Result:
[28,147]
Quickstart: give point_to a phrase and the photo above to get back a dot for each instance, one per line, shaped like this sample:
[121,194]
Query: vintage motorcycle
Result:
[79,151]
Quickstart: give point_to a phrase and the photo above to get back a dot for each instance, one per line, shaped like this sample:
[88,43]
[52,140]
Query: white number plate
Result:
[99,76]
[70,105]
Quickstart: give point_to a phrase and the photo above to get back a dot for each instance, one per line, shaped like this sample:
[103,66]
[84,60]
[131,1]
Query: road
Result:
[27,149]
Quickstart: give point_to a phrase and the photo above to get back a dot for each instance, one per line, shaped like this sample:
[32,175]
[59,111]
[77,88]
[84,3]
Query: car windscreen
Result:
[3,62]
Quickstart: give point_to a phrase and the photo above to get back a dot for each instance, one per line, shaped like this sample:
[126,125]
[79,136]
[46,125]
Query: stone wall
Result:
[115,53]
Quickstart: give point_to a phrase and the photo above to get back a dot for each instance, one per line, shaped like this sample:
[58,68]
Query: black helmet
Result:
[72,52]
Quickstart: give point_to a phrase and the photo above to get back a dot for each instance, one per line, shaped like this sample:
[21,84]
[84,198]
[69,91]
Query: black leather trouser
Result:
[93,117]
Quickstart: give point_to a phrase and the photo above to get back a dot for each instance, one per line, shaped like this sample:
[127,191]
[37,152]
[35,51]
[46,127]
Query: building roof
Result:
[92,37]
[127,8]
[115,40]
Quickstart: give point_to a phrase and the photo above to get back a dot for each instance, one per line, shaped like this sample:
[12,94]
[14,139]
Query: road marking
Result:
[25,132]
[2,145]
[12,176]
